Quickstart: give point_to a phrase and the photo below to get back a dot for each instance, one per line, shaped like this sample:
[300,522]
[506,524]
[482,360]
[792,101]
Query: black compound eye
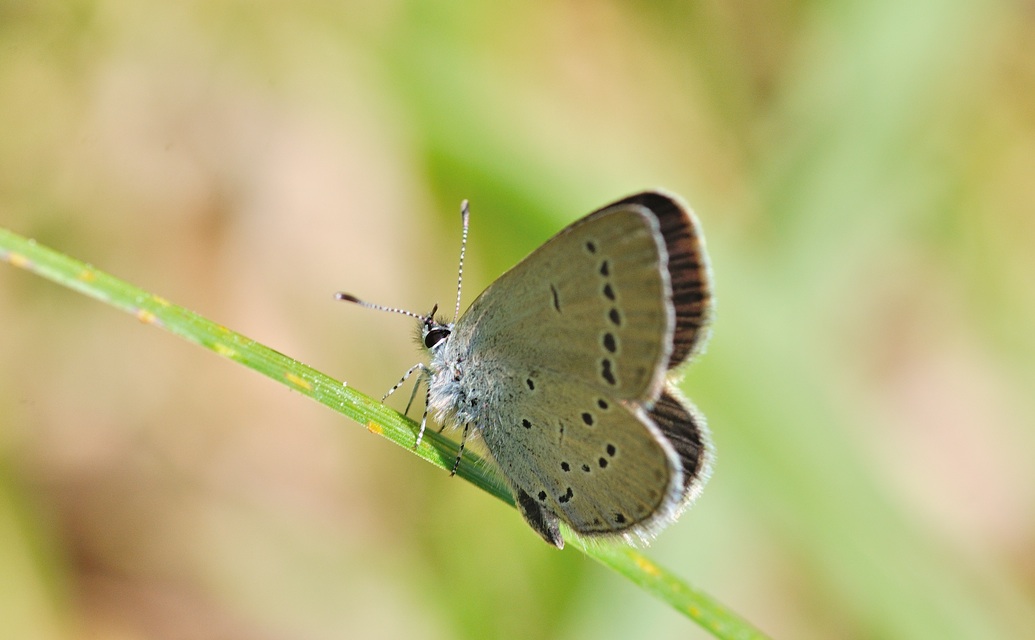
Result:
[435,336]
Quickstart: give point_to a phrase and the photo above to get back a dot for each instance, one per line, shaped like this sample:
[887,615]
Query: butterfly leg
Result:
[413,394]
[427,397]
[420,365]
[423,419]
[460,453]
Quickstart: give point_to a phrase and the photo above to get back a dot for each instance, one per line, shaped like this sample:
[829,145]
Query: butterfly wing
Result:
[570,349]
[685,429]
[688,268]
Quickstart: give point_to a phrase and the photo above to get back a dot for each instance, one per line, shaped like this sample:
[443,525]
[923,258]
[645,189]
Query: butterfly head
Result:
[434,333]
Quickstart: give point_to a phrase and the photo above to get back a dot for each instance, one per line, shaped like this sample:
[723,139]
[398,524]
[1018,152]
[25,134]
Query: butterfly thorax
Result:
[450,398]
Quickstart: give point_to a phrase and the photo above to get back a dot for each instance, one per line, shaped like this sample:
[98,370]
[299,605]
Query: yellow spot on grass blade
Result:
[146,316]
[19,260]
[301,383]
[374,428]
[224,350]
[647,566]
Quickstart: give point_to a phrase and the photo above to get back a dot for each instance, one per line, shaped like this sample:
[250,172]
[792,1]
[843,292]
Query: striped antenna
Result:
[465,214]
[430,318]
[348,297]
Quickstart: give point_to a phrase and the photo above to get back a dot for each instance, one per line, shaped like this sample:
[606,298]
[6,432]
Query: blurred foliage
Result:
[863,172]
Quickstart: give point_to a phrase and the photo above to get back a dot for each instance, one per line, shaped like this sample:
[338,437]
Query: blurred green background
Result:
[865,174]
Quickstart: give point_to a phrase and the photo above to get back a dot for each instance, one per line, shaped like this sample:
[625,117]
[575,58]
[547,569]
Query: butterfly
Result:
[563,366]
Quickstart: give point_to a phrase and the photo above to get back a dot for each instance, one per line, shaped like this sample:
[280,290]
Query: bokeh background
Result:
[864,171]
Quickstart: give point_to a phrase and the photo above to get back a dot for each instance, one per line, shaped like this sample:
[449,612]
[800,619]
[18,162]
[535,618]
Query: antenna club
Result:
[347,297]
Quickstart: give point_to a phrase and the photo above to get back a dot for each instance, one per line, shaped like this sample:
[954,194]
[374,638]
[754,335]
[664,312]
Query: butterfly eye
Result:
[435,336]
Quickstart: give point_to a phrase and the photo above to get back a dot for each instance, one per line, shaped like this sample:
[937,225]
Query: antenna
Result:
[465,214]
[430,318]
[348,297]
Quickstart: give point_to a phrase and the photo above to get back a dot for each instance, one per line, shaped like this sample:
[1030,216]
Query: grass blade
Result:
[151,309]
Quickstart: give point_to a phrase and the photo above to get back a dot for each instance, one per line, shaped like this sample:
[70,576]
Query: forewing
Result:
[593,304]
